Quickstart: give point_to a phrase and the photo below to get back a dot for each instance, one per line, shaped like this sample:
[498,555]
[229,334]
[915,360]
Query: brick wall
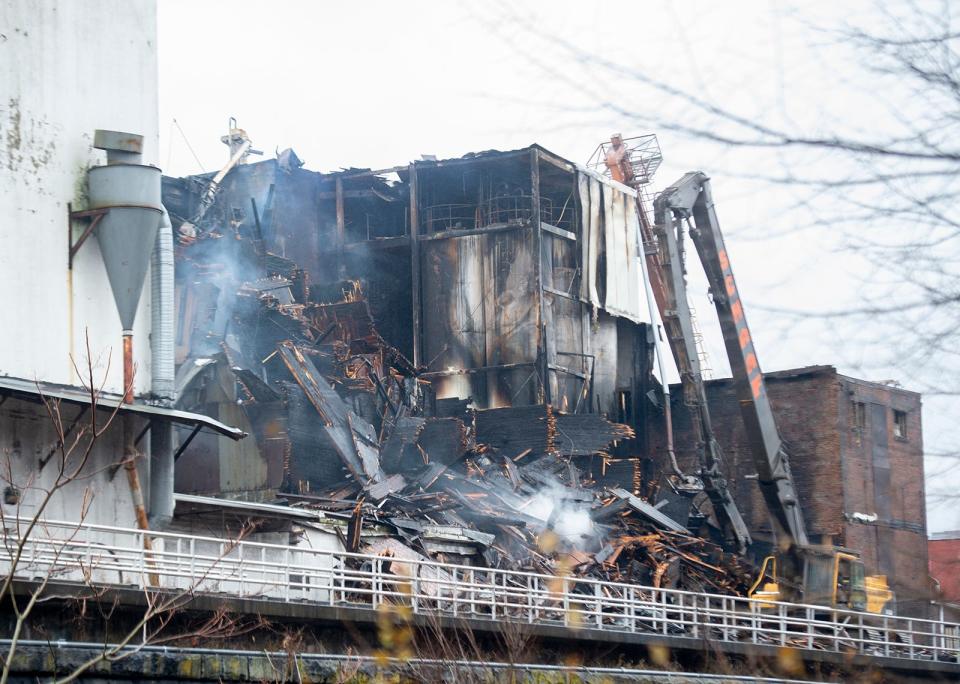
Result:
[806,410]
[884,477]
[841,464]
[945,566]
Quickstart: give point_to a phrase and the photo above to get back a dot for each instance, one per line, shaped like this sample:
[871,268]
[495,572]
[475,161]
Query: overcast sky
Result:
[376,84]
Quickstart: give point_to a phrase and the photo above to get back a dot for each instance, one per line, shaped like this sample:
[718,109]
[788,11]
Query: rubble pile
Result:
[365,440]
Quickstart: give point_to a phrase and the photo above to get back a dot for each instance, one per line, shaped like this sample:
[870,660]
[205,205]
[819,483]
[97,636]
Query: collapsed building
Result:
[456,358]
[452,344]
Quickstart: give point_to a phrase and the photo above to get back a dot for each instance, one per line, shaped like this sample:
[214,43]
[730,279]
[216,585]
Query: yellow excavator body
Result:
[848,587]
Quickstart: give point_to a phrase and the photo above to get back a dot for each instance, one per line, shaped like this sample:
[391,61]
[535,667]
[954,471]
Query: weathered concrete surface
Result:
[156,665]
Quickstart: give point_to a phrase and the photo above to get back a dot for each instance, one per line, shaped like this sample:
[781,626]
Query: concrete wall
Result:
[29,462]
[66,68]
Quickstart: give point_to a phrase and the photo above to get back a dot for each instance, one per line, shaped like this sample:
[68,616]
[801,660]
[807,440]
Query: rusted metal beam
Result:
[186,443]
[95,216]
[565,295]
[127,367]
[568,371]
[67,432]
[556,161]
[349,194]
[415,267]
[559,232]
[341,221]
[377,243]
[492,228]
[143,432]
[544,388]
[490,157]
[479,369]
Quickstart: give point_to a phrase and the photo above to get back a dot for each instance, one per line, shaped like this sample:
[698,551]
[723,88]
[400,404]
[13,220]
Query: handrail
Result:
[106,555]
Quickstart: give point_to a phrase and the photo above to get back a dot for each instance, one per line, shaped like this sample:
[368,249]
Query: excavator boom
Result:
[690,198]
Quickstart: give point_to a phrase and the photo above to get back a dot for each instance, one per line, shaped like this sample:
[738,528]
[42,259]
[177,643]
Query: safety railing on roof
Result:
[111,556]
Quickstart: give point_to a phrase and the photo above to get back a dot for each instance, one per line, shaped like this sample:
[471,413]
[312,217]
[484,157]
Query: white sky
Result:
[376,84]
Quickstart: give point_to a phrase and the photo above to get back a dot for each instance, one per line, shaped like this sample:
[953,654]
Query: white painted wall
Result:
[66,69]
[27,436]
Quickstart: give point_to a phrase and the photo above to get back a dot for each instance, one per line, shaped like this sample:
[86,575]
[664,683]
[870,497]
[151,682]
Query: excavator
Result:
[797,570]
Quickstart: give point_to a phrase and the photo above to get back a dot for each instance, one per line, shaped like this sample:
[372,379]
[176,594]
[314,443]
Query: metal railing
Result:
[111,556]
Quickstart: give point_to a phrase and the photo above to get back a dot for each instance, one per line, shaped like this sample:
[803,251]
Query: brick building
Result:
[944,552]
[857,457]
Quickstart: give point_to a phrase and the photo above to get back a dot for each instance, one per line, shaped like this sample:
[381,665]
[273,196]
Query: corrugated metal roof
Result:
[30,390]
[194,503]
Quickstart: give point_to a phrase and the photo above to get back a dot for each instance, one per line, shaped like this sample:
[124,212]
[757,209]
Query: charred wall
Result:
[472,268]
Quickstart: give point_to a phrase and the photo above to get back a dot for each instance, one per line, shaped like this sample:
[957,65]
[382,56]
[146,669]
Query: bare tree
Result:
[883,193]
[36,555]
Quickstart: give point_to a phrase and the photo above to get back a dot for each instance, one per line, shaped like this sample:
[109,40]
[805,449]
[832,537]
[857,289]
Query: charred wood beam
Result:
[588,385]
[256,218]
[381,390]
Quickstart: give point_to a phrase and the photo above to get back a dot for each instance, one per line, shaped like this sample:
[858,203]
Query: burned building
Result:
[502,279]
[457,342]
[448,351]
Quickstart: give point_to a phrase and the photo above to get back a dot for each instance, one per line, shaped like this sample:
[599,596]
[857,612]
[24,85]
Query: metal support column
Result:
[415,266]
[542,360]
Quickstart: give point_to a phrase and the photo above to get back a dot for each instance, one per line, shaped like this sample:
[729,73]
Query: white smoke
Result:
[570,520]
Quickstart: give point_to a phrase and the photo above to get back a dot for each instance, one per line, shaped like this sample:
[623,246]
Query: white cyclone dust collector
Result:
[128,194]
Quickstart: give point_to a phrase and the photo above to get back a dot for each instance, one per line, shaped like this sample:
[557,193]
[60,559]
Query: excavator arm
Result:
[678,323]
[689,199]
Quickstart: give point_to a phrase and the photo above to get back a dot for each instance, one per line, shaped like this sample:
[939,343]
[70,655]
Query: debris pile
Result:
[364,439]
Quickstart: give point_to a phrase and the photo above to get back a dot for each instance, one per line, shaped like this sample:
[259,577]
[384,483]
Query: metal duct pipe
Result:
[162,381]
[163,385]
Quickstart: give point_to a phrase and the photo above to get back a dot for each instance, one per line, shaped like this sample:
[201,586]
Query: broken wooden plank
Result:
[648,511]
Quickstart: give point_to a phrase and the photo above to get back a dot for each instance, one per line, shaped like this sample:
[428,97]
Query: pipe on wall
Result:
[163,371]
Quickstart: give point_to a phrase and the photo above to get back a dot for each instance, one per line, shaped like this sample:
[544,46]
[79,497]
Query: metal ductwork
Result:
[127,232]
[128,193]
[162,373]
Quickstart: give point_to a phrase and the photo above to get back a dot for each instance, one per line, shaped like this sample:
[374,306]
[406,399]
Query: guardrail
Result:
[111,556]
